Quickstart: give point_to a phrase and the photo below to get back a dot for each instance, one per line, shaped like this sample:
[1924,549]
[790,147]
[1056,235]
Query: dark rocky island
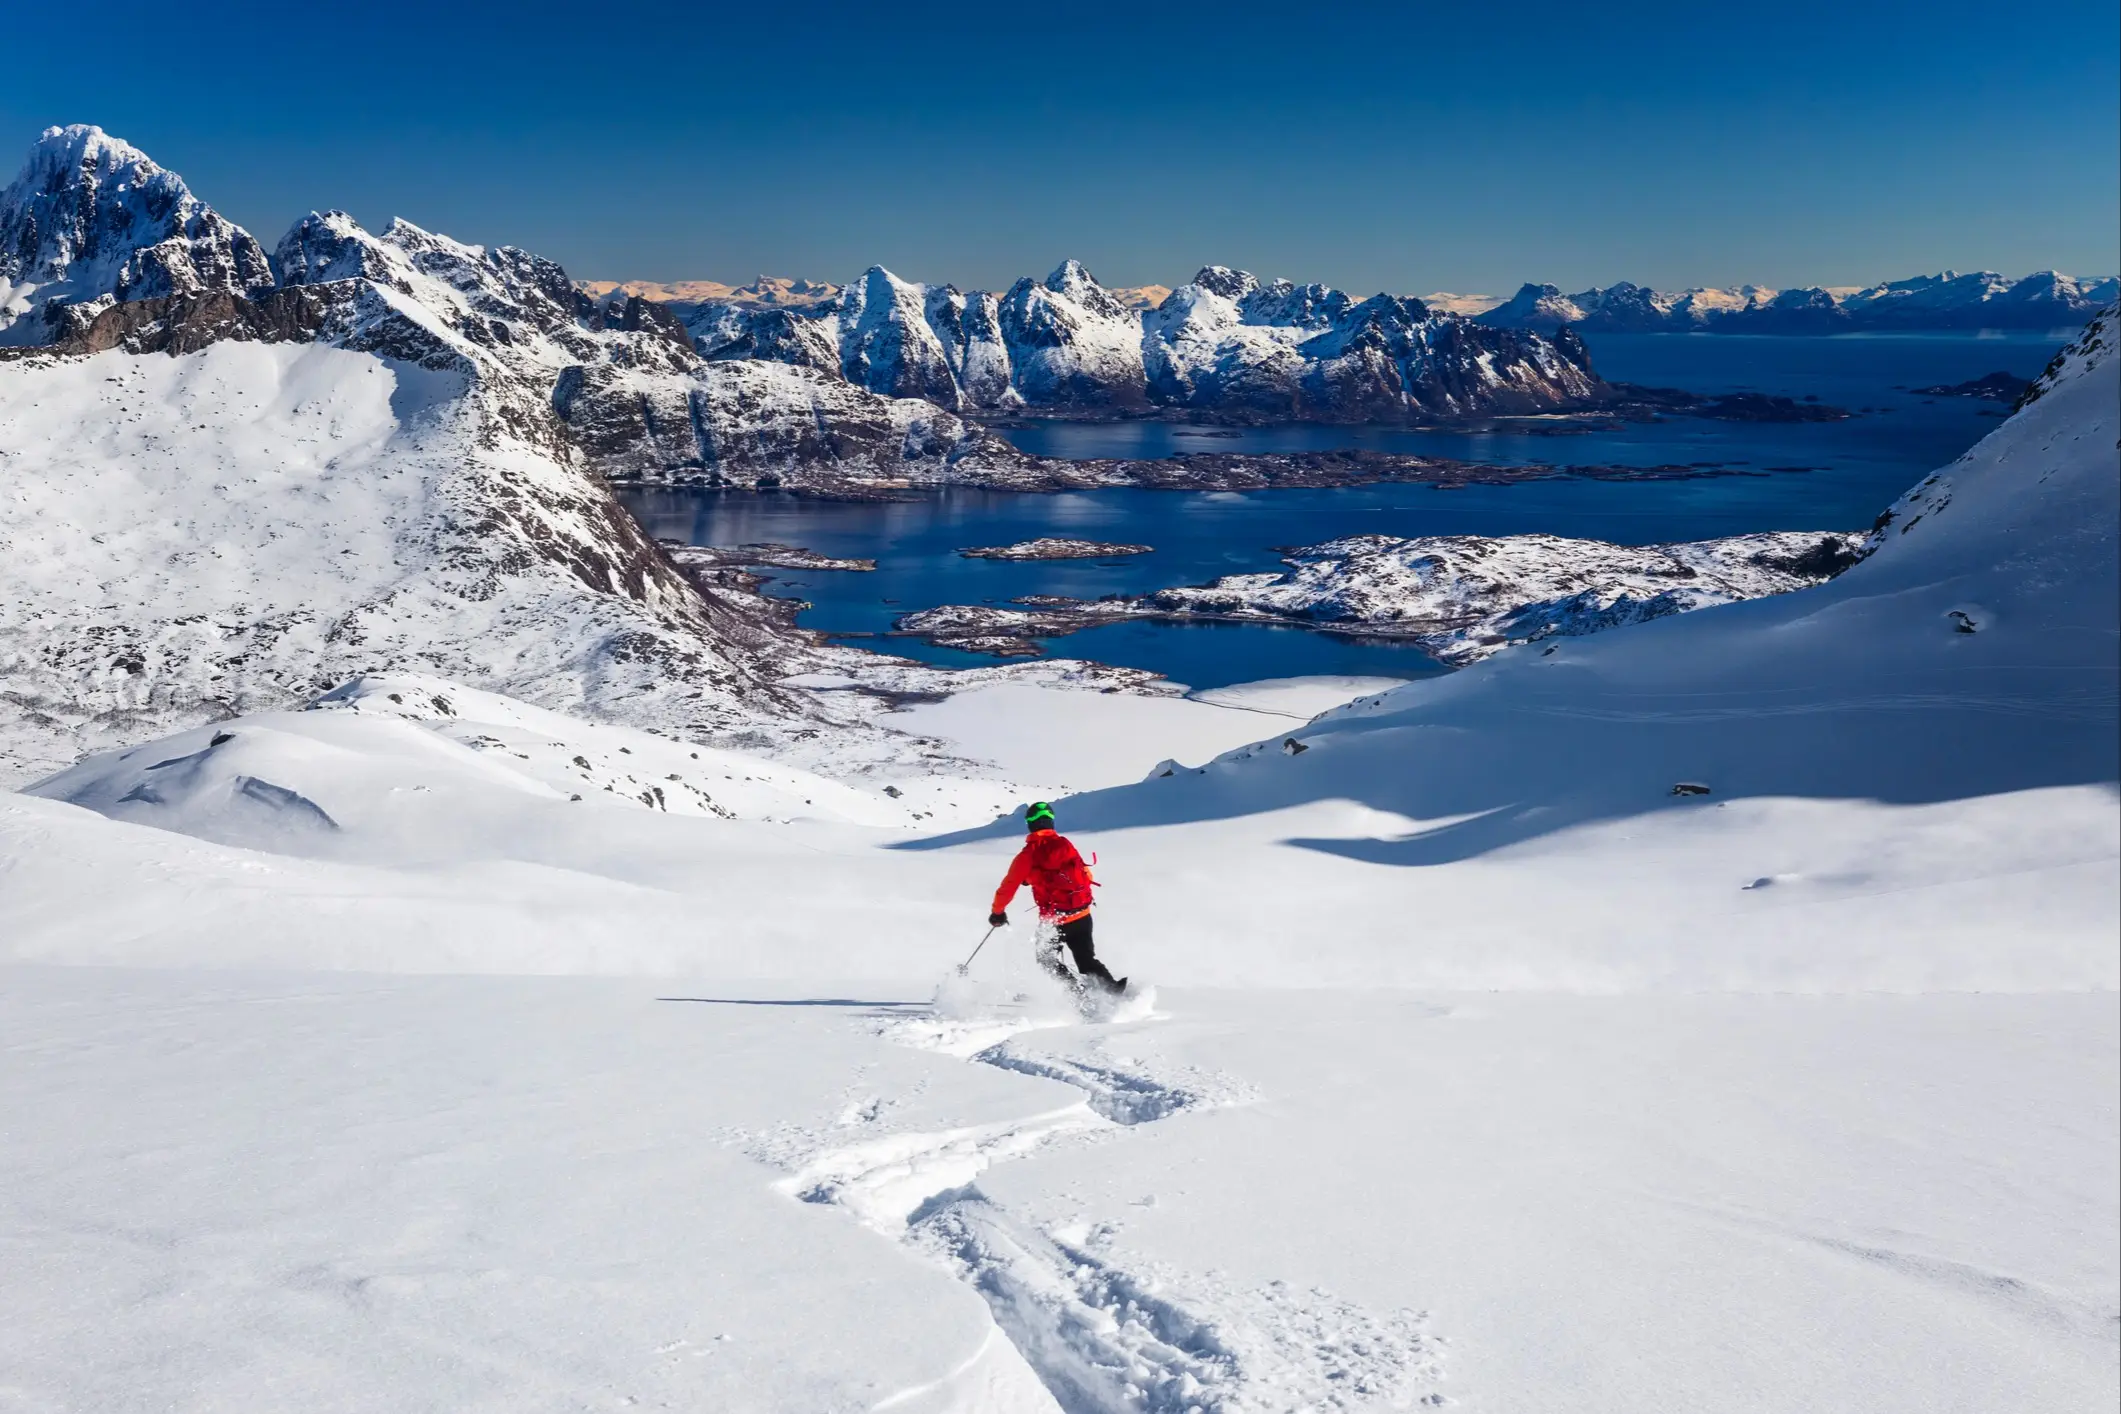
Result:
[1999,387]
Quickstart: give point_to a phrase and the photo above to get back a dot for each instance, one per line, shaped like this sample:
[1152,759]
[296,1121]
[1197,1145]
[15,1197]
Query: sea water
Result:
[1800,476]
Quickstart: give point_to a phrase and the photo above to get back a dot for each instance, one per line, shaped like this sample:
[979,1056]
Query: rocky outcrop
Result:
[969,328]
[1054,547]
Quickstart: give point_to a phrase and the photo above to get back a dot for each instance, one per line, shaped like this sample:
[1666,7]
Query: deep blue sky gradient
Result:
[1410,147]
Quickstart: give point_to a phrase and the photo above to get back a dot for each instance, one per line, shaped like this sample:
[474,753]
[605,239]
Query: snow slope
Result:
[241,528]
[367,1193]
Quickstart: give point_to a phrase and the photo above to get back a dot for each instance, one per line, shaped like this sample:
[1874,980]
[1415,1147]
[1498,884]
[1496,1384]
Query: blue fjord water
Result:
[1853,469]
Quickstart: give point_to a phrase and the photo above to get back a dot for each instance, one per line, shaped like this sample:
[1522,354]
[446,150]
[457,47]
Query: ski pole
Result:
[966,965]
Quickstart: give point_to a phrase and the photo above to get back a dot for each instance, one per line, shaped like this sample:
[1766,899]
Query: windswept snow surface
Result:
[1531,1084]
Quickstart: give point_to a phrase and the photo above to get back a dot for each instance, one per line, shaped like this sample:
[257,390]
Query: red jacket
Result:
[1060,881]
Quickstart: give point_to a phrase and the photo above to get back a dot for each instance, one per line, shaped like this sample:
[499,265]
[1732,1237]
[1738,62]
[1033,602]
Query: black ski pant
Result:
[1075,933]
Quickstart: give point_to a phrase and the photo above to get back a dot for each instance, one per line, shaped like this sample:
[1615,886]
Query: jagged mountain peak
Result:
[77,147]
[325,246]
[1222,280]
[1282,303]
[877,282]
[1069,274]
[91,220]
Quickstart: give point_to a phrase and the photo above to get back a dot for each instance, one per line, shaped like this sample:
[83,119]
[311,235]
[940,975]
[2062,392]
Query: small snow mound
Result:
[202,791]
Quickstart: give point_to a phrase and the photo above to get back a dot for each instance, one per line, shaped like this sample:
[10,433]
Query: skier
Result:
[1060,887]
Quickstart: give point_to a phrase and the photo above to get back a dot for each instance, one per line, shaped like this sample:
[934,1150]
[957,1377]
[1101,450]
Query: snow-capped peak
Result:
[324,246]
[92,218]
[60,151]
[1222,280]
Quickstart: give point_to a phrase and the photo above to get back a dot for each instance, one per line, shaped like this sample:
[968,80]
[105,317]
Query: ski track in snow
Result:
[1104,1332]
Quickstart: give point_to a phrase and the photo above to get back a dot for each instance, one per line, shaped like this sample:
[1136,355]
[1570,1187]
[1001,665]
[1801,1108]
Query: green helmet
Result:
[1038,816]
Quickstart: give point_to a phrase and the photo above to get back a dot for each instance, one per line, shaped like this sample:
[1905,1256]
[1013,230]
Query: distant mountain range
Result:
[1229,347]
[1983,300]
[1224,345]
[774,291]
[1949,300]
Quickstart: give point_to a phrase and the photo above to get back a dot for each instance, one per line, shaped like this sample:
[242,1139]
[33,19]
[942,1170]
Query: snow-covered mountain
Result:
[1223,345]
[2044,300]
[92,221]
[229,499]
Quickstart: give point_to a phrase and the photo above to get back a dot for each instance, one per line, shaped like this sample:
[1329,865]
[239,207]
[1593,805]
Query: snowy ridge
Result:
[332,513]
[2045,299]
[389,459]
[227,783]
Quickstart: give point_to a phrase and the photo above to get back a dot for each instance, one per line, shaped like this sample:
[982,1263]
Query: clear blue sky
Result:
[1377,146]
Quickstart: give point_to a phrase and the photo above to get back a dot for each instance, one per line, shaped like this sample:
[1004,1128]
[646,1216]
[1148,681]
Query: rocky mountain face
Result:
[92,221]
[1223,346]
[1983,300]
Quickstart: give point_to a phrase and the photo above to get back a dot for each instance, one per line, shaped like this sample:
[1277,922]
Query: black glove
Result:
[997,920]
